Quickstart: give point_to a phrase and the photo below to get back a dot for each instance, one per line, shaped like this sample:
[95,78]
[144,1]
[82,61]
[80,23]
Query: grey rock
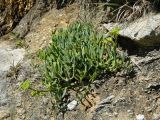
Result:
[149,109]
[31,17]
[130,113]
[72,105]
[145,30]
[103,103]
[115,114]
[153,86]
[156,116]
[3,93]
[45,101]
[120,100]
[140,117]
[18,100]
[4,114]
[9,58]
[107,100]
[99,107]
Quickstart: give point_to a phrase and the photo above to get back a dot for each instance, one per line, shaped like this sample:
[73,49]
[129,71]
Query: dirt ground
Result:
[132,95]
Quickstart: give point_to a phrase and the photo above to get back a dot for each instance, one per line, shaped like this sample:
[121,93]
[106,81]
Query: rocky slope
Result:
[120,97]
[11,12]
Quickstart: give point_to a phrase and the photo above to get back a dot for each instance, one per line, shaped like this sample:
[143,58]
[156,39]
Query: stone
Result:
[72,105]
[149,109]
[45,101]
[4,114]
[144,31]
[156,116]
[130,113]
[115,114]
[107,100]
[140,117]
[21,111]
[9,58]
[99,107]
[153,86]
[31,18]
[18,100]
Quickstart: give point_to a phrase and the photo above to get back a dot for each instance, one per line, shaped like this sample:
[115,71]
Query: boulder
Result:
[9,58]
[144,31]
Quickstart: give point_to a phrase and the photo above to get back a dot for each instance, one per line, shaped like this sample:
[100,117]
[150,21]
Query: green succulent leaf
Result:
[76,57]
[25,85]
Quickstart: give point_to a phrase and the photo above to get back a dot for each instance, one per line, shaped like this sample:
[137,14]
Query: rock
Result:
[149,109]
[140,117]
[4,114]
[3,93]
[18,100]
[144,31]
[10,58]
[72,105]
[28,12]
[103,103]
[153,86]
[130,113]
[107,100]
[99,107]
[8,9]
[156,116]
[31,18]
[120,100]
[21,111]
[115,114]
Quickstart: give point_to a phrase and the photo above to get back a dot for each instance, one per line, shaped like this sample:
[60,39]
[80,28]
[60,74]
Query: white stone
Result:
[140,117]
[72,105]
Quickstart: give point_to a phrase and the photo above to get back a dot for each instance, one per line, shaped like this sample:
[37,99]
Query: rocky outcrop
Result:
[144,31]
[15,11]
[20,15]
[9,58]
[32,17]
[11,12]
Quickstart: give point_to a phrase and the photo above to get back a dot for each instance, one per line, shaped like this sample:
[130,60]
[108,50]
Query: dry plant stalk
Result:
[92,12]
[113,11]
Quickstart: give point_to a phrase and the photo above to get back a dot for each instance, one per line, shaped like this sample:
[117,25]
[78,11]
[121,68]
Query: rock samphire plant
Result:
[75,58]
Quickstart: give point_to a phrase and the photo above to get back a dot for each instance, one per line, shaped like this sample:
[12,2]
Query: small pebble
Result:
[72,105]
[140,117]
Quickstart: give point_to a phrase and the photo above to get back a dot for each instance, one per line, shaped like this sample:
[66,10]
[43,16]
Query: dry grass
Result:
[115,11]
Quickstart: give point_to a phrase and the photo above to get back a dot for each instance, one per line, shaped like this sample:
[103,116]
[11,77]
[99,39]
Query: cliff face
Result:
[14,11]
[124,96]
[11,12]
